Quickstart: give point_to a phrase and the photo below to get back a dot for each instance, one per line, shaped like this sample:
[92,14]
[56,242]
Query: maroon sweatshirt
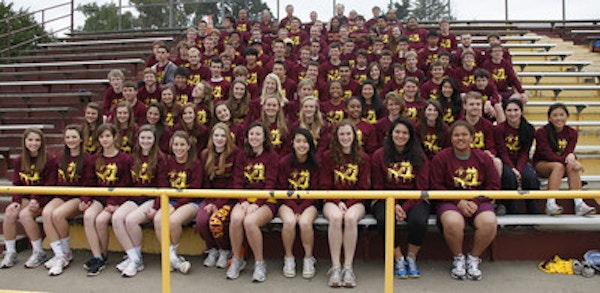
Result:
[256,172]
[348,176]
[47,177]
[114,172]
[566,140]
[299,177]
[176,175]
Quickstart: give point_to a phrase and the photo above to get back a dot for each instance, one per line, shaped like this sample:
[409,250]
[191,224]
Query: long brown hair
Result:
[209,166]
[130,125]
[42,156]
[153,155]
[191,152]
[66,153]
[113,130]
[336,148]
[90,129]
[239,108]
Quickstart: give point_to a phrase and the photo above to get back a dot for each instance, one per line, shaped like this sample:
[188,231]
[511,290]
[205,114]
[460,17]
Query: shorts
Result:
[485,206]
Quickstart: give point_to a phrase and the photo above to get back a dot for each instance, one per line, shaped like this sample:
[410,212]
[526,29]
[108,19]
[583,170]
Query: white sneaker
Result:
[35,260]
[473,271]
[348,278]
[133,267]
[308,267]
[260,272]
[223,258]
[211,258]
[68,257]
[181,265]
[459,271]
[289,267]
[123,264]
[237,265]
[9,260]
[59,264]
[335,277]
[552,209]
[582,209]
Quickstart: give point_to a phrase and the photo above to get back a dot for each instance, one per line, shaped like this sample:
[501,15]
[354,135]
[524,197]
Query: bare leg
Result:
[334,233]
[288,231]
[60,215]
[252,224]
[134,220]
[89,222]
[102,221]
[49,229]
[158,223]
[236,230]
[351,218]
[27,219]
[119,226]
[179,217]
[454,231]
[307,234]
[485,232]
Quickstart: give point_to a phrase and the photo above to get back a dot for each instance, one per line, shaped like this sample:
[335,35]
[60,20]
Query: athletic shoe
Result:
[400,268]
[552,209]
[9,260]
[260,272]
[95,267]
[237,265]
[308,268]
[211,257]
[123,264]
[35,260]
[583,209]
[473,271]
[181,265]
[132,268]
[223,258]
[459,271]
[335,277]
[59,264]
[289,267]
[348,278]
[50,263]
[88,264]
[413,270]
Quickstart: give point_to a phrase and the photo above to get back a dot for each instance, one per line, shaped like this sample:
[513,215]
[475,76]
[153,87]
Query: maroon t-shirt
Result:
[114,172]
[148,97]
[508,147]
[255,172]
[176,175]
[348,176]
[47,177]
[566,141]
[299,177]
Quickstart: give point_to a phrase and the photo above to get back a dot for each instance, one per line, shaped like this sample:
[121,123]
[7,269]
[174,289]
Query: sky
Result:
[461,9]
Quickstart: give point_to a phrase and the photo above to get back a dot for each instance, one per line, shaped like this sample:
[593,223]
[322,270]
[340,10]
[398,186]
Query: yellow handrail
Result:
[389,195]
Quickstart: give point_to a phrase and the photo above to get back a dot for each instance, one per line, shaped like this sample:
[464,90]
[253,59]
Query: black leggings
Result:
[529,181]
[416,219]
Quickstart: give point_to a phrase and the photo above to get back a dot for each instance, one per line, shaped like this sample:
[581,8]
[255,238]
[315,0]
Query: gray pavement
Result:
[499,276]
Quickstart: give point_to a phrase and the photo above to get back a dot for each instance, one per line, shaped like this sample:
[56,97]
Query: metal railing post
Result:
[165,242]
[390,223]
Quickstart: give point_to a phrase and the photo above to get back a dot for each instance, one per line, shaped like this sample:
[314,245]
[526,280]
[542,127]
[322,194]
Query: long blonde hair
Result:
[209,166]
[318,123]
[281,98]
[280,118]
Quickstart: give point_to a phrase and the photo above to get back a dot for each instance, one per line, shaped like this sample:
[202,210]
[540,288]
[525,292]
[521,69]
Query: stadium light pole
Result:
[506,10]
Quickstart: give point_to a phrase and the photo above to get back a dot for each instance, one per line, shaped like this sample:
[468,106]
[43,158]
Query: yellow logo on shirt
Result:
[108,175]
[466,179]
[299,180]
[255,172]
[400,171]
[347,174]
[178,179]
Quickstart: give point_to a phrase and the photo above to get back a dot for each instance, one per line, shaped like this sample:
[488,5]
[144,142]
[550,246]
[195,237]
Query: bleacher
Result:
[50,87]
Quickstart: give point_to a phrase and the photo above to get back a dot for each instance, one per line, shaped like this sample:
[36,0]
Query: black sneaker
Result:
[96,267]
[88,264]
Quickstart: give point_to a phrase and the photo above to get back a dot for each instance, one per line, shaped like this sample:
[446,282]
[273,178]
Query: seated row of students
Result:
[344,166]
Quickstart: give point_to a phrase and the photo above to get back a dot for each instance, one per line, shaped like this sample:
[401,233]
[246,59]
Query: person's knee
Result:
[250,223]
[305,223]
[486,221]
[335,220]
[289,223]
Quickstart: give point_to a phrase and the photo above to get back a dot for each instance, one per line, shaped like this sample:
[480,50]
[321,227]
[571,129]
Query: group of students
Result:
[265,132]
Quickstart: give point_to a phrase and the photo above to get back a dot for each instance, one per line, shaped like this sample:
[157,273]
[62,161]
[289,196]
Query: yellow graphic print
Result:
[217,219]
[485,98]
[347,95]
[299,180]
[431,143]
[478,140]
[359,137]
[499,74]
[178,179]
[31,178]
[414,38]
[347,174]
[194,79]
[125,144]
[562,145]
[387,79]
[242,27]
[411,113]
[386,38]
[360,78]
[333,74]
[71,175]
[512,143]
[252,78]
[445,44]
[143,176]
[201,117]
[254,173]
[169,121]
[150,100]
[159,76]
[468,80]
[89,146]
[431,58]
[316,94]
[466,179]
[371,116]
[448,117]
[400,171]
[433,94]
[352,63]
[182,99]
[218,92]
[108,175]
[335,117]
[276,137]
[296,40]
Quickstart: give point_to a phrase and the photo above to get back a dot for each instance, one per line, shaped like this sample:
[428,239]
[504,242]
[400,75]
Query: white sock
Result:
[65,244]
[132,254]
[578,201]
[11,246]
[173,251]
[138,250]
[551,201]
[57,249]
[37,245]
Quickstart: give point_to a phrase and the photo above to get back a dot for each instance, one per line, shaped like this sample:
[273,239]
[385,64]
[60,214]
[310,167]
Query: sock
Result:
[132,254]
[551,201]
[173,251]
[36,245]
[138,250]
[65,244]
[577,201]
[57,249]
[11,246]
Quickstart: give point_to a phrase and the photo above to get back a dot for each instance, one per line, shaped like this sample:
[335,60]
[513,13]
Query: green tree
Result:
[254,8]
[431,9]
[105,17]
[23,40]
[402,10]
